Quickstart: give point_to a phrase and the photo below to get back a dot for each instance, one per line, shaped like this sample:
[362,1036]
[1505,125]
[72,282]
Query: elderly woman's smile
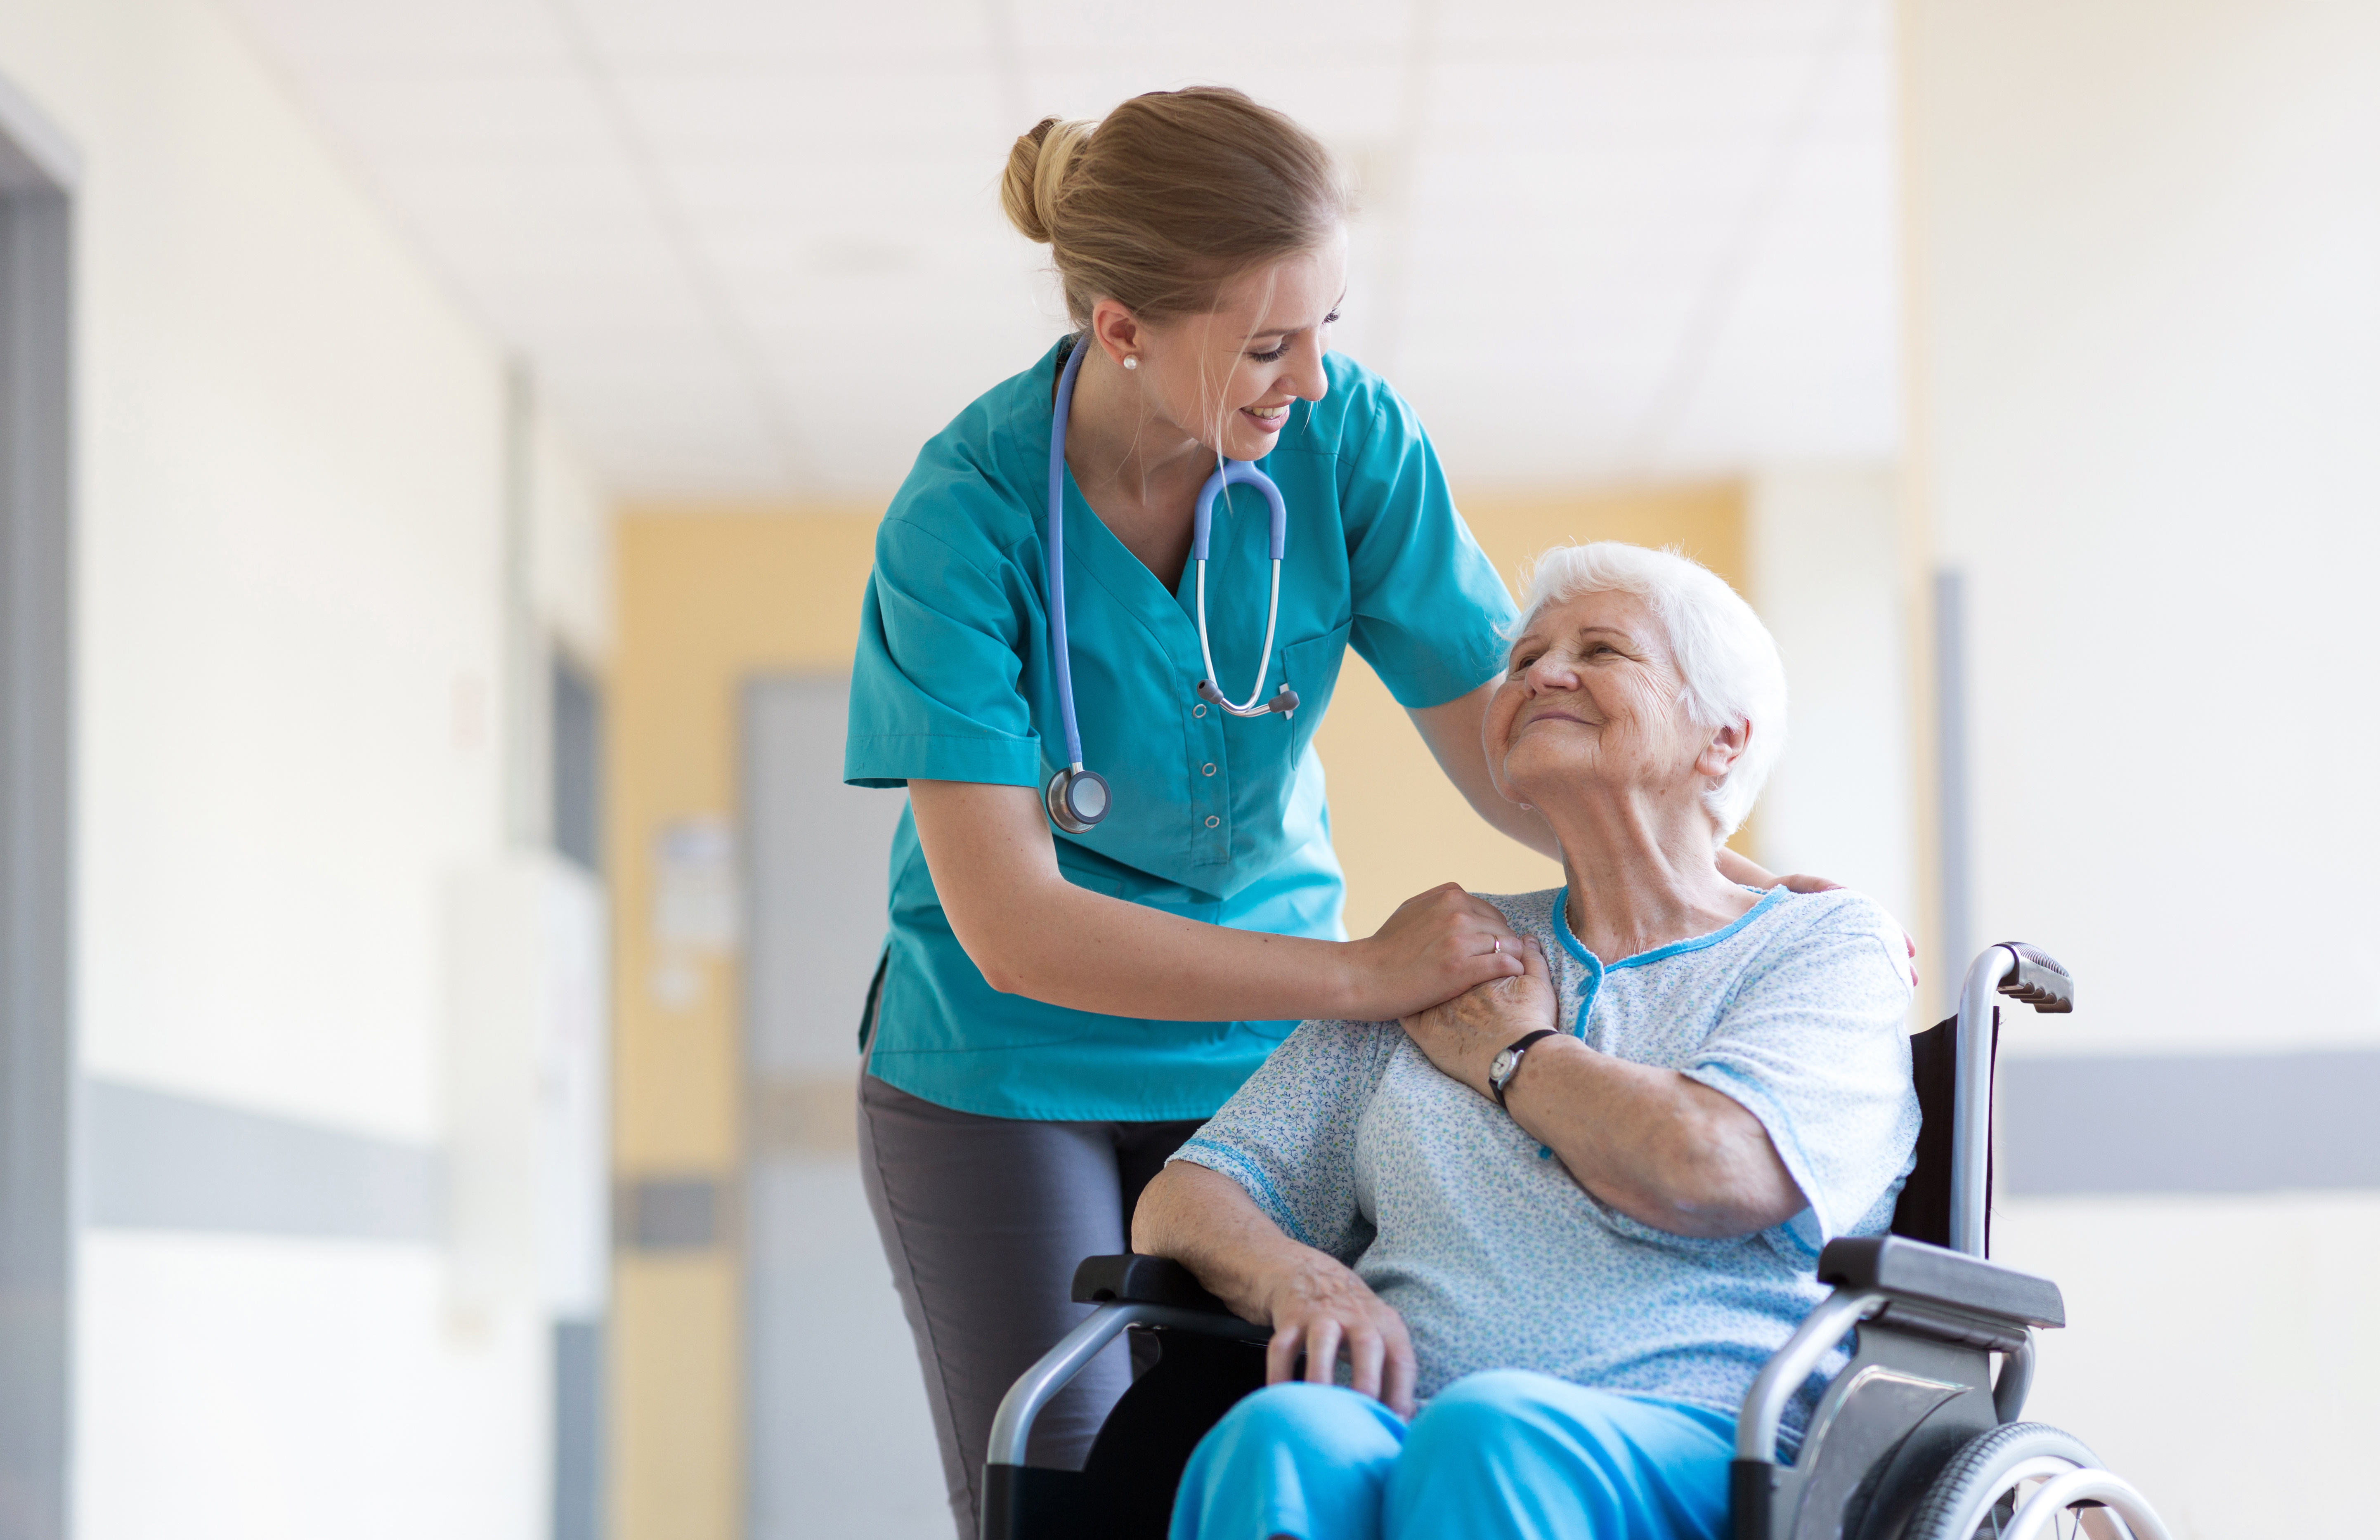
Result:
[1593,692]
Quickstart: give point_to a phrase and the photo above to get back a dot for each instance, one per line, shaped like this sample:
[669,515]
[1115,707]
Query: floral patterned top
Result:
[1355,1144]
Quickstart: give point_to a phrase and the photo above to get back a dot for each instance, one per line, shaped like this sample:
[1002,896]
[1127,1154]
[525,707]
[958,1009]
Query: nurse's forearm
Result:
[1033,933]
[1453,731]
[1736,866]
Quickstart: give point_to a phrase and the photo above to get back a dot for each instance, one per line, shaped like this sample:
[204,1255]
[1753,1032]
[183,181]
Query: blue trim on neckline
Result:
[1596,965]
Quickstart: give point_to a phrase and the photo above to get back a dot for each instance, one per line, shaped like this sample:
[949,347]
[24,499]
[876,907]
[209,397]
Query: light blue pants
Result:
[1504,1455]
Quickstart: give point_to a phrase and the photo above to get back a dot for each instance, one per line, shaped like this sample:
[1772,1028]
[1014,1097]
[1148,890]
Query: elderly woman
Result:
[1569,1213]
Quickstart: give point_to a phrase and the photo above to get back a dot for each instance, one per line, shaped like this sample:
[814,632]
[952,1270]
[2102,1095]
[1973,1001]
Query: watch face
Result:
[1500,1068]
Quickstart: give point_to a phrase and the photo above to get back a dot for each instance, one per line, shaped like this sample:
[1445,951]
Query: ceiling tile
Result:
[792,117]
[1314,31]
[745,34]
[507,114]
[755,247]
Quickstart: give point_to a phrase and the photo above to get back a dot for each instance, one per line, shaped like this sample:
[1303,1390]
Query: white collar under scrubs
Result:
[1218,819]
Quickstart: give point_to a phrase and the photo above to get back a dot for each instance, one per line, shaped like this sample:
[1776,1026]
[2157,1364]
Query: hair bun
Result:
[1036,168]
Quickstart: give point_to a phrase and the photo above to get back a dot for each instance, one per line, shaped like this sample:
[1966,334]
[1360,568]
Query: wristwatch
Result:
[1507,1064]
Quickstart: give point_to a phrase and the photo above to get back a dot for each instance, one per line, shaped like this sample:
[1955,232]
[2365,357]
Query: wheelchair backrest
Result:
[1924,1210]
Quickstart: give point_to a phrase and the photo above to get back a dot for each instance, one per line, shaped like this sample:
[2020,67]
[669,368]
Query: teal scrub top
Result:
[1217,817]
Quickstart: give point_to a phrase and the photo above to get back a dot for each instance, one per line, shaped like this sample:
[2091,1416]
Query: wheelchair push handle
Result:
[2020,971]
[2038,979]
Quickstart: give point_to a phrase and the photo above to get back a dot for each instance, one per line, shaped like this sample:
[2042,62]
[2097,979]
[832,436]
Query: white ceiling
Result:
[754,248]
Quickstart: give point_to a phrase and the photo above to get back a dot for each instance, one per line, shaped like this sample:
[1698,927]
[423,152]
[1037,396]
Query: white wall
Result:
[570,547]
[289,669]
[2151,327]
[1825,544]
[2148,380]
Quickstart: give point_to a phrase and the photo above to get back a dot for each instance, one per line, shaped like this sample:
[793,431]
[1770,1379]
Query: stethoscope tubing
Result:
[1053,544]
[1063,794]
[1207,656]
[1201,529]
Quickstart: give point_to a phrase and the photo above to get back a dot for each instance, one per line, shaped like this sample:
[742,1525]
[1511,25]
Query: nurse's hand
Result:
[1436,946]
[1738,868]
[1463,1035]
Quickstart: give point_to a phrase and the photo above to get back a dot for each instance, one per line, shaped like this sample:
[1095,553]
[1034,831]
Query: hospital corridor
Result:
[779,771]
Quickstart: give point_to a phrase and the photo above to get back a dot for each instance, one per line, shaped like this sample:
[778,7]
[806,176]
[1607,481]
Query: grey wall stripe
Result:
[154,1160]
[2229,1124]
[671,1213]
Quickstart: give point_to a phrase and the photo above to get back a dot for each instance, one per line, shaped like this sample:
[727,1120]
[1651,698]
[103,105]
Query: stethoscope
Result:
[1078,798]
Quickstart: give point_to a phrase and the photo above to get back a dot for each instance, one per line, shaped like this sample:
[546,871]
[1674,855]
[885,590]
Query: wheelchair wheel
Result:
[1983,1486]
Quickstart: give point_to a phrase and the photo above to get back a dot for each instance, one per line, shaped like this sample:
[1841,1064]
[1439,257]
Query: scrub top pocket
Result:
[1311,668]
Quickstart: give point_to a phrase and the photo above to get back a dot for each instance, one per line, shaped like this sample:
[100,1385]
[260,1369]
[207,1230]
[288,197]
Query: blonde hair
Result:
[1725,658]
[1168,198]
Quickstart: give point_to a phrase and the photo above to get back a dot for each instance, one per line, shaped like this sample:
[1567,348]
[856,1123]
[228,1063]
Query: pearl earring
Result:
[1131,362]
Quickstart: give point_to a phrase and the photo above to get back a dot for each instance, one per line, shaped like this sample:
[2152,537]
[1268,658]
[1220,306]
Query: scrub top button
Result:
[1199,710]
[1205,769]
[1212,820]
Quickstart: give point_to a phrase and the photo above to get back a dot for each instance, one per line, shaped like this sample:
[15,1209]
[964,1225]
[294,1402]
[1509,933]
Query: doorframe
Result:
[38,173]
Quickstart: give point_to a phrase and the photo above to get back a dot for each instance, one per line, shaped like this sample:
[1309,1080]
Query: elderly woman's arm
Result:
[1663,1149]
[1312,1301]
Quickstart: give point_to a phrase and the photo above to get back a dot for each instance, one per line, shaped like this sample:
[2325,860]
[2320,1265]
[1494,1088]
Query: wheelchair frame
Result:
[1901,1445]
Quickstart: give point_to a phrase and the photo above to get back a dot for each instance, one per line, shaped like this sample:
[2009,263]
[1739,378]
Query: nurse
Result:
[1056,1011]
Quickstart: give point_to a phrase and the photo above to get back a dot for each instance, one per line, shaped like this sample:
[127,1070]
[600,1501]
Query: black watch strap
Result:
[1517,1049]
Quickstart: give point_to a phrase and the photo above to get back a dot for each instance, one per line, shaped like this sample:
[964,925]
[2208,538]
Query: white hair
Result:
[1727,658]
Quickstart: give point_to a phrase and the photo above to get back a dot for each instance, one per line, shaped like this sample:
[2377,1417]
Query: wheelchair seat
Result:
[1915,1438]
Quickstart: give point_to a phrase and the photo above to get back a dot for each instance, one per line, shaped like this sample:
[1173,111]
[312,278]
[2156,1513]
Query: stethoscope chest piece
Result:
[1078,799]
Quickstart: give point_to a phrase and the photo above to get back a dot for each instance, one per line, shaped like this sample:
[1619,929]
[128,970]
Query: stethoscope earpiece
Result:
[1284,701]
[1078,798]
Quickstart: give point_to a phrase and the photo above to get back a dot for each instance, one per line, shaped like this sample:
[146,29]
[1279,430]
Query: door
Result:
[839,1442]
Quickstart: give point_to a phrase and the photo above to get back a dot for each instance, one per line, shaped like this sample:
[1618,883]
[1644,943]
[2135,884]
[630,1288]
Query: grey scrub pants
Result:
[984,1220]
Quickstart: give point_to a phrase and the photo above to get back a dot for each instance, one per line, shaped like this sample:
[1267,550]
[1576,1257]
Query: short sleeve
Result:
[1816,1046]
[1288,1136]
[934,685]
[1430,609]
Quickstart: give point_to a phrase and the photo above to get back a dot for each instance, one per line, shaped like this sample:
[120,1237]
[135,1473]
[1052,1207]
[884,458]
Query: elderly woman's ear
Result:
[1726,746]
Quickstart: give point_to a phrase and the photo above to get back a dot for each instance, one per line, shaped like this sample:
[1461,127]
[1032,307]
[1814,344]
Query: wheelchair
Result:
[1915,1438]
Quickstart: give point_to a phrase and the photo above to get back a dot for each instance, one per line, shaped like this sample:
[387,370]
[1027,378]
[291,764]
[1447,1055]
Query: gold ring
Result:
[1498,948]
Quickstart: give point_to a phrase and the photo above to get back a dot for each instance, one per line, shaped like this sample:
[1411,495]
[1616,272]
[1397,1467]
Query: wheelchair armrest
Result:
[1135,1279]
[1912,1270]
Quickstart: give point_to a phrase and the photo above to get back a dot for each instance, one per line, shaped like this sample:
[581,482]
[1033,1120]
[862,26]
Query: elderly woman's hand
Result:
[1319,1307]
[1463,1035]
[1314,1302]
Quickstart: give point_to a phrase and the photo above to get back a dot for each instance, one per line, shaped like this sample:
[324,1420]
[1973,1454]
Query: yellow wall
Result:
[1400,826]
[708,598]
[705,600]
